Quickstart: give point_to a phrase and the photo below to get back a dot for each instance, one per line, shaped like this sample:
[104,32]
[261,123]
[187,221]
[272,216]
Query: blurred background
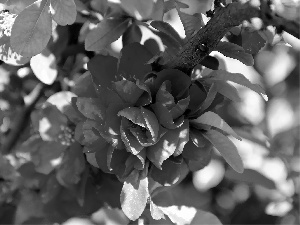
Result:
[268,191]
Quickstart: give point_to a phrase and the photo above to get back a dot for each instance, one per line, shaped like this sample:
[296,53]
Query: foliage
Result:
[115,134]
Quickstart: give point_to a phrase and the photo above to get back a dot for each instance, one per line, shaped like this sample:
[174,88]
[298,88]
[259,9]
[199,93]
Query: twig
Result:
[21,120]
[225,18]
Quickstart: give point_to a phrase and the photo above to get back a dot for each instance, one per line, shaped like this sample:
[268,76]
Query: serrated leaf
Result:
[238,79]
[103,70]
[213,119]
[236,52]
[106,32]
[44,67]
[167,29]
[63,11]
[134,197]
[226,148]
[140,9]
[252,42]
[128,55]
[190,23]
[32,29]
[132,34]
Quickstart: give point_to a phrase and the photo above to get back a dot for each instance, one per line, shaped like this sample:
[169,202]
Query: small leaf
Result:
[132,34]
[251,177]
[238,79]
[252,42]
[140,9]
[210,62]
[236,52]
[134,197]
[63,11]
[226,148]
[32,29]
[106,32]
[44,67]
[167,29]
[212,119]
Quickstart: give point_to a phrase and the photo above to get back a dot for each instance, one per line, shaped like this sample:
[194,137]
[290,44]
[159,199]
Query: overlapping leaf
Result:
[140,9]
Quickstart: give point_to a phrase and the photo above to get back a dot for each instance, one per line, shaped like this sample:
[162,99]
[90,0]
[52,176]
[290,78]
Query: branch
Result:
[225,18]
[22,119]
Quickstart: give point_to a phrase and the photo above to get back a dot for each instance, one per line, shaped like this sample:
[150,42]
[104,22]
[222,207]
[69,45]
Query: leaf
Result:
[44,67]
[140,9]
[72,166]
[106,32]
[171,4]
[132,34]
[158,10]
[128,55]
[209,98]
[251,177]
[103,70]
[213,119]
[91,108]
[156,213]
[227,90]
[226,148]
[236,52]
[100,5]
[167,29]
[63,11]
[237,78]
[190,23]
[32,29]
[189,215]
[172,142]
[134,197]
[169,174]
[17,6]
[252,42]
[128,91]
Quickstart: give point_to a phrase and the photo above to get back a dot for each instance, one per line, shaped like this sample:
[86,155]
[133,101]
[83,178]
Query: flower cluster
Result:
[135,121]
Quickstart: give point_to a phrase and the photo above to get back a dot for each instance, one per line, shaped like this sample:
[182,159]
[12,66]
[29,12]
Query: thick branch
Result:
[225,18]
